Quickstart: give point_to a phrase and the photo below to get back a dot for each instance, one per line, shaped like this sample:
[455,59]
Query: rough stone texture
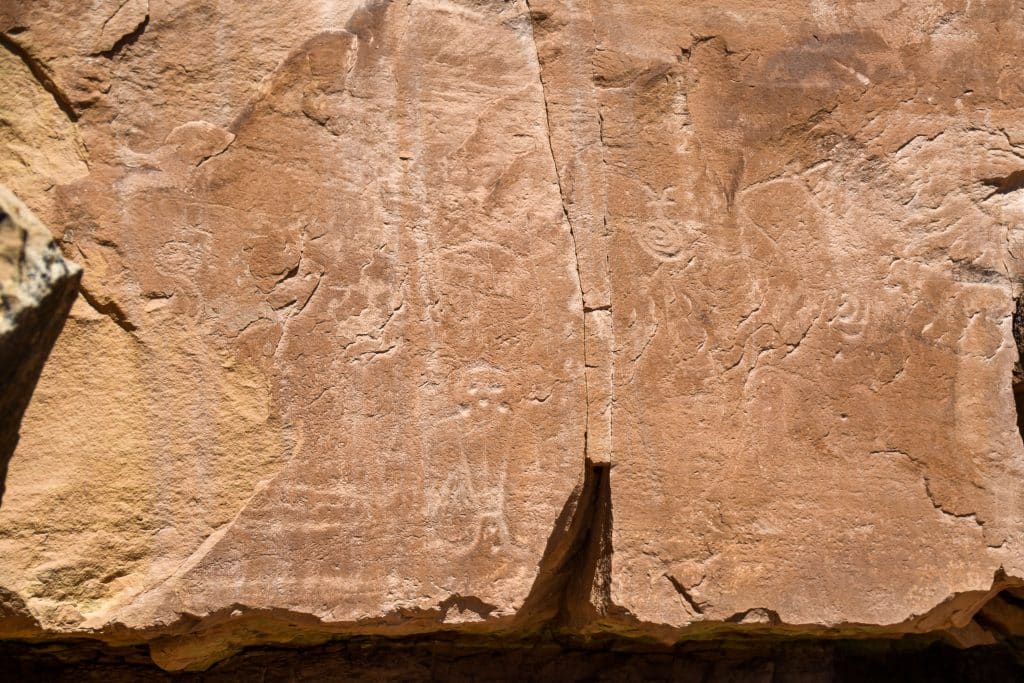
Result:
[653,318]
[37,287]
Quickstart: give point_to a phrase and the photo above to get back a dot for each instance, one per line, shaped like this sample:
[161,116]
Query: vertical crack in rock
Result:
[1018,368]
[533,18]
[574,583]
[40,73]
[588,592]
[574,580]
[577,570]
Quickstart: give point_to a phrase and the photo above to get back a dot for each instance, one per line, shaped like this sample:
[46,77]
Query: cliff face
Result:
[37,287]
[647,318]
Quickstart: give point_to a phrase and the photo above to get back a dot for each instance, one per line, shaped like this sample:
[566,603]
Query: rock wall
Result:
[37,287]
[654,319]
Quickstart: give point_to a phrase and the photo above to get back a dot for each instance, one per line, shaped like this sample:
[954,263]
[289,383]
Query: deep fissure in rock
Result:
[1018,368]
[588,589]
[573,582]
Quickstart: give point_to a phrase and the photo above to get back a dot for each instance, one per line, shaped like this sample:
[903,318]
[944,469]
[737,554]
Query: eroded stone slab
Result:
[342,329]
[37,286]
[812,252]
[648,317]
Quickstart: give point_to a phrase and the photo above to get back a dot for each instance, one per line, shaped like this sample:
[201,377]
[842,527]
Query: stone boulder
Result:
[37,288]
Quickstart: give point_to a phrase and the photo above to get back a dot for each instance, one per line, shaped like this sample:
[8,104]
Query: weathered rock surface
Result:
[37,287]
[651,318]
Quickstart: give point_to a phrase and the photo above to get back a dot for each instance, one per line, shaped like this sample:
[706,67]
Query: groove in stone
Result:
[39,72]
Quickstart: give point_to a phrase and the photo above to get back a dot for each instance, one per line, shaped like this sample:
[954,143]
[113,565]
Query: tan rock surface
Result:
[37,287]
[657,318]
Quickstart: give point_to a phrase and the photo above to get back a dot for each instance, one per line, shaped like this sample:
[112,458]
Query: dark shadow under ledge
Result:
[544,656]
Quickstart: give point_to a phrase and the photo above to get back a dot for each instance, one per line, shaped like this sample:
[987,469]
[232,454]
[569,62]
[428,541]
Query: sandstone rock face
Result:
[37,287]
[648,318]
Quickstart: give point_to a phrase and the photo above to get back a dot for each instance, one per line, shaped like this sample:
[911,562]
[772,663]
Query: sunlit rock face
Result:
[37,287]
[646,318]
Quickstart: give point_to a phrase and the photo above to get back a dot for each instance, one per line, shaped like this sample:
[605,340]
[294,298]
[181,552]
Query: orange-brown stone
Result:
[650,318]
